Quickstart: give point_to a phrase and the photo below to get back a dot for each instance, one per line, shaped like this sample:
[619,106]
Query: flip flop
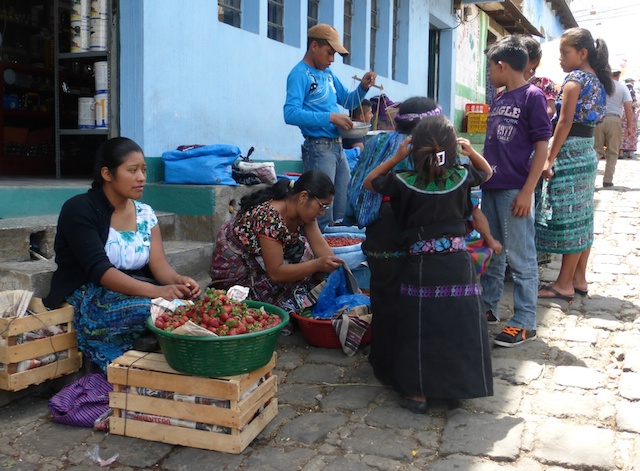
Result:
[557,294]
[581,292]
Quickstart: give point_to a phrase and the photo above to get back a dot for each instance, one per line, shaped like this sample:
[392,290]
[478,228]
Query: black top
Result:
[83,228]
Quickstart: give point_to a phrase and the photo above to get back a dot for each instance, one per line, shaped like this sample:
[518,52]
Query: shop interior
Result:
[55,78]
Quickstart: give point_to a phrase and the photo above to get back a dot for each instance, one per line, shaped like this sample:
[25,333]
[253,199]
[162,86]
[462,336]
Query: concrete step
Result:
[187,257]
[17,235]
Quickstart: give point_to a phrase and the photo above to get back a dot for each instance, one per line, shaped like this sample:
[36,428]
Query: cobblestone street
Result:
[569,400]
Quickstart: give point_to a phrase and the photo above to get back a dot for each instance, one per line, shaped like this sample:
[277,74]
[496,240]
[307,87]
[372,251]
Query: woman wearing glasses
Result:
[274,245]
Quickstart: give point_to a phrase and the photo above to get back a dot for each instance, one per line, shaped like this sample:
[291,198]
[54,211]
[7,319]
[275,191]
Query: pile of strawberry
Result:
[220,315]
[343,241]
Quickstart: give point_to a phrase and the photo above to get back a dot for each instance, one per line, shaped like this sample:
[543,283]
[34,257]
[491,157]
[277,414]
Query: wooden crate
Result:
[150,370]
[12,352]
[477,122]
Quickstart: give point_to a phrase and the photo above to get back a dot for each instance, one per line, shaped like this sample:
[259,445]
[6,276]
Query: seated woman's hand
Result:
[174,291]
[329,263]
[191,284]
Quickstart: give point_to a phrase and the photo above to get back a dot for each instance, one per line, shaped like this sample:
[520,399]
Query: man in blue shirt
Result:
[313,96]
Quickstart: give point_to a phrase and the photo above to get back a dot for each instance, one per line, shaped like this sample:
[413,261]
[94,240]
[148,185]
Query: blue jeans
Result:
[326,155]
[517,235]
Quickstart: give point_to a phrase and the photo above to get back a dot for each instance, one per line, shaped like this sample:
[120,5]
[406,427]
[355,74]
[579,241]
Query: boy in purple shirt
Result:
[518,131]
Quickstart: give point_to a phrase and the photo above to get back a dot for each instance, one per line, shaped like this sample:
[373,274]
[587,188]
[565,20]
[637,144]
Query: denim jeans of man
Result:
[326,155]
[517,235]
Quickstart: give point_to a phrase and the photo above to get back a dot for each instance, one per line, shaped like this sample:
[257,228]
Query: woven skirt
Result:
[564,204]
[107,323]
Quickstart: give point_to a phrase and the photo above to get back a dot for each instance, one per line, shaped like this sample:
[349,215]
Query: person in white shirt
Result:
[608,133]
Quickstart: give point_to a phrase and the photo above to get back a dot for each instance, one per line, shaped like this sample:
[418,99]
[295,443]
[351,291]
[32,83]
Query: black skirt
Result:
[429,331]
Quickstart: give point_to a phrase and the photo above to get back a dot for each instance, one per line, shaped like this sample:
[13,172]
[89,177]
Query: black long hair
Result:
[414,105]
[598,54]
[533,47]
[314,182]
[432,135]
[111,154]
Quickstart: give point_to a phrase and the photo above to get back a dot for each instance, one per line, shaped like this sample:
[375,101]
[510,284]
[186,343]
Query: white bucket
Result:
[86,113]
[98,41]
[101,72]
[80,9]
[98,9]
[102,110]
[79,40]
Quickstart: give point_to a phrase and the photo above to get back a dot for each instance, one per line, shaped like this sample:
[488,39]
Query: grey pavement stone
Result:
[285,414]
[133,451]
[349,463]
[349,397]
[394,416]
[312,428]
[362,373]
[316,374]
[568,444]
[290,359]
[185,459]
[39,439]
[505,400]
[380,442]
[516,371]
[16,464]
[579,377]
[627,340]
[299,396]
[565,404]
[627,414]
[630,386]
[632,360]
[603,321]
[334,356]
[278,458]
[483,435]
[601,303]
[581,334]
[549,315]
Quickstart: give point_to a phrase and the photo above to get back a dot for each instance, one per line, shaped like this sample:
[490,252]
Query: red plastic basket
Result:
[320,332]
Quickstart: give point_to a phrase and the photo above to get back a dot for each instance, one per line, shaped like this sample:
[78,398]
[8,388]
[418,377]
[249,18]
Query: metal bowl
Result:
[358,130]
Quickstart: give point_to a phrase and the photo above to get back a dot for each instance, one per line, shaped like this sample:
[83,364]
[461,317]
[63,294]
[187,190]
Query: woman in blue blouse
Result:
[564,213]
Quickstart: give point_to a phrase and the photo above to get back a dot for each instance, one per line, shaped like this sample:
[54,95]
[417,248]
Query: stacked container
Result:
[101,71]
[98,25]
[80,32]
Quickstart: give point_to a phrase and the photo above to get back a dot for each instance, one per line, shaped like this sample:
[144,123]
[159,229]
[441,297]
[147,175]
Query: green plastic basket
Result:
[221,356]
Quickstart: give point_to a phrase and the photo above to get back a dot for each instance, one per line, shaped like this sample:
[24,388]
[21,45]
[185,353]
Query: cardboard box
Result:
[13,350]
[154,402]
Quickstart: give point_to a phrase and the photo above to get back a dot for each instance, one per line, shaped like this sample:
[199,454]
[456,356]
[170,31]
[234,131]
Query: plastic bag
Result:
[203,165]
[338,294]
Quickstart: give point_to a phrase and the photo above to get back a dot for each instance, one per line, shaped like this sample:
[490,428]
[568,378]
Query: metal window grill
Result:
[374,34]
[396,32]
[348,21]
[275,20]
[230,12]
[312,12]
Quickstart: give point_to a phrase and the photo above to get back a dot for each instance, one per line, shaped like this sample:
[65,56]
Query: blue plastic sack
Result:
[206,165]
[335,295]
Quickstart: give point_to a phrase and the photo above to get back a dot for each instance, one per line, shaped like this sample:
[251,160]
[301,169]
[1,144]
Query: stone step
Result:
[17,235]
[187,257]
